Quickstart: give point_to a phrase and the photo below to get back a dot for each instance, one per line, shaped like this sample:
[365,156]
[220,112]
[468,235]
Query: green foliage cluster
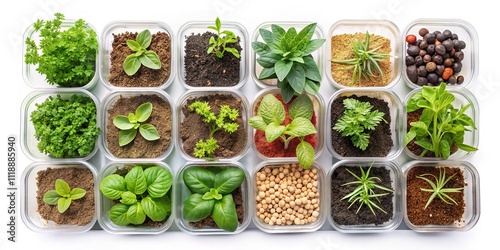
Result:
[437,189]
[62,195]
[219,44]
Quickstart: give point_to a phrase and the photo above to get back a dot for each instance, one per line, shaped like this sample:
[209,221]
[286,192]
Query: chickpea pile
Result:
[287,195]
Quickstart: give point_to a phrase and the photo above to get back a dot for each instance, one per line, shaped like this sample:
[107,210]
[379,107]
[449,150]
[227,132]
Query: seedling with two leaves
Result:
[63,195]
[129,125]
[142,55]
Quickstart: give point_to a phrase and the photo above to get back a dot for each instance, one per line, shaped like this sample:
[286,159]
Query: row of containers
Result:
[277,194]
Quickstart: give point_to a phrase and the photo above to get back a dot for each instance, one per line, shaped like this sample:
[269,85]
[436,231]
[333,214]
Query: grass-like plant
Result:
[129,125]
[224,38]
[437,189]
[62,195]
[142,55]
[365,62]
[364,193]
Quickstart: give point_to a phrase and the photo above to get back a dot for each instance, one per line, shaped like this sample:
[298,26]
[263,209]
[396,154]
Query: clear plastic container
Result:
[37,80]
[207,92]
[462,98]
[304,228]
[200,27]
[318,105]
[29,142]
[182,193]
[396,177]
[256,68]
[111,98]
[471,196]
[383,28]
[119,27]
[29,205]
[105,203]
[465,32]
[396,125]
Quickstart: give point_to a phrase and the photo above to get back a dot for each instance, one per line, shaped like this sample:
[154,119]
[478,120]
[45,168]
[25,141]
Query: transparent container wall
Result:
[28,140]
[462,98]
[310,227]
[383,28]
[396,177]
[200,28]
[257,69]
[471,197]
[105,204]
[396,112]
[110,99]
[29,205]
[206,92]
[120,27]
[465,32]
[37,80]
[319,110]
[182,194]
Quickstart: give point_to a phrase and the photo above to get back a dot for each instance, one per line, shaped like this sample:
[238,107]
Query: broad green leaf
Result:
[122,122]
[62,188]
[311,87]
[159,181]
[228,180]
[258,123]
[260,48]
[63,204]
[412,102]
[278,31]
[466,148]
[150,59]
[112,186]
[312,70]
[143,112]
[198,180]
[267,36]
[301,106]
[271,110]
[133,45]
[144,38]
[77,193]
[126,136]
[425,144]
[135,214]
[51,197]
[128,198]
[149,132]
[233,51]
[273,131]
[445,100]
[305,35]
[136,181]
[267,73]
[409,136]
[300,127]
[196,209]
[297,78]
[118,214]
[287,92]
[424,104]
[131,64]
[224,214]
[282,69]
[156,208]
[268,60]
[429,93]
[419,124]
[313,45]
[305,154]
[444,147]
[287,42]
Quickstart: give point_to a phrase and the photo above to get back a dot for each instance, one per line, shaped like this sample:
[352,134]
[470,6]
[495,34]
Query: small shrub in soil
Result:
[380,142]
[161,119]
[342,214]
[81,211]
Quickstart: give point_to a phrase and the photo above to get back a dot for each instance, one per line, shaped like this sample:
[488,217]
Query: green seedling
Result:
[142,55]
[219,44]
[63,195]
[129,125]
[437,189]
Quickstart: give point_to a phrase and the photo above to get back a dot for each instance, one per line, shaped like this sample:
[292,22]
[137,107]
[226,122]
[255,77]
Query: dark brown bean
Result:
[447,62]
[423,44]
[439,69]
[448,44]
[410,60]
[456,44]
[462,45]
[440,49]
[430,38]
[419,60]
[430,66]
[440,37]
[430,49]
[437,59]
[423,31]
[447,34]
[411,71]
[452,80]
[413,50]
[422,81]
[427,58]
[457,67]
[433,78]
[459,56]
[460,79]
[421,71]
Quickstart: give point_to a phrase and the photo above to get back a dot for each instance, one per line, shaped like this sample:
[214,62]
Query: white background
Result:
[17,15]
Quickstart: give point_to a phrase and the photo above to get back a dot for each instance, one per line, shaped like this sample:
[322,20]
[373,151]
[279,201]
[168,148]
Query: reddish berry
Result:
[411,39]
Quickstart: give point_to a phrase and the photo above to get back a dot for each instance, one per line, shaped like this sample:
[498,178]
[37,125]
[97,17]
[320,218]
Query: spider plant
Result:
[364,193]
[438,189]
[365,62]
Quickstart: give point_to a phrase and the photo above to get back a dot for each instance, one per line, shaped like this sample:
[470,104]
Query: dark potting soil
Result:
[380,142]
[145,77]
[81,211]
[205,70]
[193,128]
[343,215]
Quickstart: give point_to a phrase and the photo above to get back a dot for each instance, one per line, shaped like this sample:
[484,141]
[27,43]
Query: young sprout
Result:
[438,189]
[220,45]
[364,193]
[129,125]
[62,195]
[142,55]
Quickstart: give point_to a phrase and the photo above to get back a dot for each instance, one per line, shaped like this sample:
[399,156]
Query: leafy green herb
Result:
[286,55]
[225,120]
[441,125]
[438,189]
[63,195]
[271,115]
[364,193]
[358,117]
[129,125]
[66,57]
[365,62]
[142,55]
[66,127]
[219,44]
[211,196]
[141,193]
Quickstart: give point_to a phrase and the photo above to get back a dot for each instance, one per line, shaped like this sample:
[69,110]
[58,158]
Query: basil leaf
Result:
[267,73]
[118,214]
[135,214]
[287,92]
[77,193]
[128,198]
[273,131]
[51,197]
[268,60]
[300,127]
[444,147]
[302,106]
[136,181]
[151,60]
[278,32]
[260,48]
[149,132]
[312,46]
[282,68]
[62,188]
[198,180]
[144,39]
[112,186]
[312,70]
[305,154]
[297,77]
[267,36]
[63,204]
[224,213]
[196,209]
[126,136]
[159,181]
[122,122]
[157,209]
[133,45]
[271,110]
[228,180]
[143,112]
[131,64]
